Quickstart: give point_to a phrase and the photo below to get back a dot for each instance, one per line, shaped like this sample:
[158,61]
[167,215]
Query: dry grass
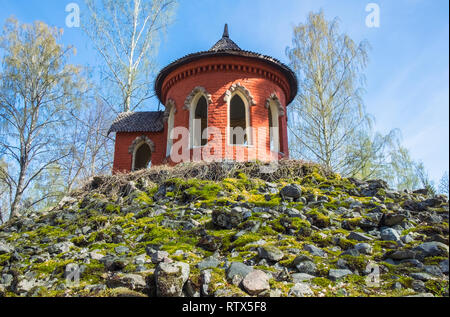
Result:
[214,171]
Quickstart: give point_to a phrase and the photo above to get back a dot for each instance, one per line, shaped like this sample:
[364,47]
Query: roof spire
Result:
[225,31]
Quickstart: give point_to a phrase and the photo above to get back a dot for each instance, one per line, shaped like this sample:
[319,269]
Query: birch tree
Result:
[37,86]
[328,111]
[126,35]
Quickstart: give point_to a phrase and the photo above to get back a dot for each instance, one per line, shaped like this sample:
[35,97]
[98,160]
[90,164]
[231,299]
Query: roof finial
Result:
[225,31]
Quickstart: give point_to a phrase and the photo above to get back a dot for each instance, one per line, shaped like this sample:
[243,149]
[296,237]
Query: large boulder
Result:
[237,271]
[134,282]
[300,290]
[270,253]
[336,274]
[256,282]
[389,234]
[293,191]
[358,236]
[229,219]
[433,248]
[60,247]
[170,278]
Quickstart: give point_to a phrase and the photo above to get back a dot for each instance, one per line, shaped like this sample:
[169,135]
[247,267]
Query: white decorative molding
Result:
[194,92]
[169,105]
[243,90]
[139,141]
[273,97]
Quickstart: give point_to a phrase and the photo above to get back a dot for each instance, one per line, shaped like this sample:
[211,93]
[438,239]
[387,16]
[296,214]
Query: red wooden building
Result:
[222,104]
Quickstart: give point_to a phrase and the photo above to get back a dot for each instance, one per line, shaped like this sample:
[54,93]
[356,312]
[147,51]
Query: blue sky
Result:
[407,76]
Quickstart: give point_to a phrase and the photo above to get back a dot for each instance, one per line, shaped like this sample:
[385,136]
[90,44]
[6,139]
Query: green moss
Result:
[53,266]
[246,239]
[346,244]
[320,219]
[112,209]
[356,262]
[437,287]
[4,258]
[321,281]
[51,232]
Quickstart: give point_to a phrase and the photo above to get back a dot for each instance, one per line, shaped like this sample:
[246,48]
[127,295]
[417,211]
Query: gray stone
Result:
[358,236]
[418,286]
[134,282]
[6,280]
[432,249]
[389,234]
[301,277]
[336,274]
[421,295]
[170,278]
[210,243]
[307,267]
[352,252]
[256,282]
[315,250]
[291,191]
[407,238]
[342,264]
[59,247]
[159,256]
[393,219]
[25,285]
[300,290]
[402,255]
[228,219]
[433,270]
[414,262]
[270,253]
[121,249]
[421,276]
[364,248]
[5,248]
[113,263]
[210,262]
[238,269]
[444,266]
[140,259]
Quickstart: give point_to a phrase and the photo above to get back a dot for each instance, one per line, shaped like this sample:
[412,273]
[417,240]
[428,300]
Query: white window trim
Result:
[274,108]
[170,127]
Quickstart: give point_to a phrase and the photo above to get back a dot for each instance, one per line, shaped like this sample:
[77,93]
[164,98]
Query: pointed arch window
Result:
[141,150]
[238,122]
[200,122]
[142,157]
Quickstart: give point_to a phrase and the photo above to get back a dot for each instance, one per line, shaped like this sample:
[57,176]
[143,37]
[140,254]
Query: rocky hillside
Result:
[230,230]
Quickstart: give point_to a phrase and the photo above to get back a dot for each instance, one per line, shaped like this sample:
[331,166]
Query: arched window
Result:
[141,150]
[238,121]
[200,122]
[142,156]
[170,126]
